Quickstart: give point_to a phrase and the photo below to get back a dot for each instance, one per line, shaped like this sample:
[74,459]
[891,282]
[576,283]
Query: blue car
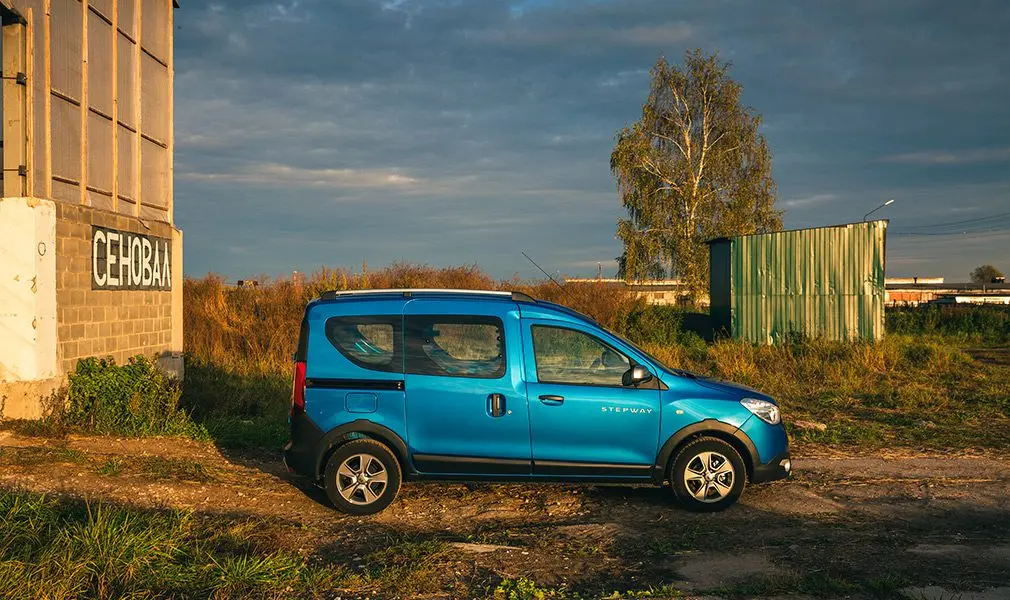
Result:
[496,386]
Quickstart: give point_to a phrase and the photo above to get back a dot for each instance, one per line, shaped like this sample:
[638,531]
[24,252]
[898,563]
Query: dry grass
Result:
[254,329]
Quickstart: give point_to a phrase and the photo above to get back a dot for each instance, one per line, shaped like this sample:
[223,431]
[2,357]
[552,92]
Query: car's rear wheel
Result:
[707,475]
[362,477]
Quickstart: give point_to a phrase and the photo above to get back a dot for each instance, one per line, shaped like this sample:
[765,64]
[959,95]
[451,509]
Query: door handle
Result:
[496,405]
[552,400]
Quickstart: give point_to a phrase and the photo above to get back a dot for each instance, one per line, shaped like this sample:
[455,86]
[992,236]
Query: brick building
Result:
[90,262]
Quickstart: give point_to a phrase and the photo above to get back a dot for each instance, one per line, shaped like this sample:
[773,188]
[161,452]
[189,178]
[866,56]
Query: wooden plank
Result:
[170,189]
[29,61]
[138,180]
[14,111]
[115,105]
[47,58]
[84,102]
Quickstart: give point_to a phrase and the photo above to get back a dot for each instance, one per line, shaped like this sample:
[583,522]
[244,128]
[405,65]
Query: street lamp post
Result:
[891,201]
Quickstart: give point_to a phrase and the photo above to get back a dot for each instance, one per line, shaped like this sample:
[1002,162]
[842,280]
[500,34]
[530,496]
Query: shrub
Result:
[977,324]
[135,399]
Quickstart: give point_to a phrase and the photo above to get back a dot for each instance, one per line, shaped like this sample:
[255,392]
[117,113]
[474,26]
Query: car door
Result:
[466,396]
[583,420]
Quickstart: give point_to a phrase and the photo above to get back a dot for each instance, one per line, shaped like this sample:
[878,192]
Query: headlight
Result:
[765,410]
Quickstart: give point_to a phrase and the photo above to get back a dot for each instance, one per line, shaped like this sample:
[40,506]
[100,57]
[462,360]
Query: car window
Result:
[370,342]
[568,356]
[455,346]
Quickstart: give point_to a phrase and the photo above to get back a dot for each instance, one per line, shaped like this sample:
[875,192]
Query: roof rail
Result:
[408,292]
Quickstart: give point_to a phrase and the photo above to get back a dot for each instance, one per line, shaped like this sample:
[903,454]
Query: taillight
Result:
[298,390]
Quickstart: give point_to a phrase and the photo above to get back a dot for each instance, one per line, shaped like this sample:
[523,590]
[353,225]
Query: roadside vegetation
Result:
[918,388]
[939,380]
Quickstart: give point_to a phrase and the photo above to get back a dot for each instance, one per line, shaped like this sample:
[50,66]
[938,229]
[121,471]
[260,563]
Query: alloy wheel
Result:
[709,477]
[361,479]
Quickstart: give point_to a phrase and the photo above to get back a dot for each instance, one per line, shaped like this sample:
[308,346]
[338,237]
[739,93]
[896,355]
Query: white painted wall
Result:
[27,290]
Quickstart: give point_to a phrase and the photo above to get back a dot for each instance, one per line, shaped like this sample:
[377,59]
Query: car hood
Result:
[729,387]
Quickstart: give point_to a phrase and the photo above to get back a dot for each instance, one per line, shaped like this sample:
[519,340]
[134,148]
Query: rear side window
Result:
[455,346]
[372,342]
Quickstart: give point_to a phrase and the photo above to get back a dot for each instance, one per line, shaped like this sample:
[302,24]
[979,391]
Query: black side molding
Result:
[355,384]
[558,467]
[435,464]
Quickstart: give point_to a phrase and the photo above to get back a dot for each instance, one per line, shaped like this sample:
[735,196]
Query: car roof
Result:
[407,293]
[541,308]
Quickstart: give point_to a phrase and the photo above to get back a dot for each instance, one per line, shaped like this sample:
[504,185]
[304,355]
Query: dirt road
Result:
[896,525]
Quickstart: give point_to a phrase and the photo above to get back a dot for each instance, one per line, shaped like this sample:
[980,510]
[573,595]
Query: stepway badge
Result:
[123,260]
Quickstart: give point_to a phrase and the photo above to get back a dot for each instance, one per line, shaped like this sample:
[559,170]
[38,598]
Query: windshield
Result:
[659,364]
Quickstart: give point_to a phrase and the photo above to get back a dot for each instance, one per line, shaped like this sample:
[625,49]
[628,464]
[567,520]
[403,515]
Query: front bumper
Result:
[777,468]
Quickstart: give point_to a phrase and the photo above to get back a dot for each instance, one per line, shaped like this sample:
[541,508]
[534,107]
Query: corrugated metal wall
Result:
[825,283]
[102,114]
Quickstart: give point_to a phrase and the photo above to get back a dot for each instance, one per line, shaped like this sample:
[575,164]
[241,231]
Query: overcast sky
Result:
[326,132]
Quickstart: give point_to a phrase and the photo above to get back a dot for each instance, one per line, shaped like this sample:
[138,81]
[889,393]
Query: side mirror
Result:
[635,376]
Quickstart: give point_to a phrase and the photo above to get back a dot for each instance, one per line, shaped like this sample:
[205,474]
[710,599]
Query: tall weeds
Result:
[254,329]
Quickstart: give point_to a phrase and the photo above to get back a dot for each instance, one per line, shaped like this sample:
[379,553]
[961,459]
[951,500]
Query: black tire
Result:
[720,491]
[358,501]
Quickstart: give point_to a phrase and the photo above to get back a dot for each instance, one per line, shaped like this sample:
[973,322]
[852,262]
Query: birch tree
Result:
[693,168]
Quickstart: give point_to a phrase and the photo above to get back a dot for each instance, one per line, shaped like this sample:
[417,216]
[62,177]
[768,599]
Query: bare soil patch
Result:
[843,526]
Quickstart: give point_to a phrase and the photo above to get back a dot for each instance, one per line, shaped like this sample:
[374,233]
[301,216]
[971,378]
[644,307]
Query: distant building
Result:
[1002,298]
[90,261]
[913,291]
[825,282]
[666,292]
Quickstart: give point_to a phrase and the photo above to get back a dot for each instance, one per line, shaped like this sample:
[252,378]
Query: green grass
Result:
[58,549]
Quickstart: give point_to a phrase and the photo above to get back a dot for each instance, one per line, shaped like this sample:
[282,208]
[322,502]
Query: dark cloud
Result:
[331,131]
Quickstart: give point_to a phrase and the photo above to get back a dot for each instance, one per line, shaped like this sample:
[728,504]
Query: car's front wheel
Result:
[707,475]
[362,477]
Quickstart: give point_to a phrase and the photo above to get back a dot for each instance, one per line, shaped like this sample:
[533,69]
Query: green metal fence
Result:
[825,283]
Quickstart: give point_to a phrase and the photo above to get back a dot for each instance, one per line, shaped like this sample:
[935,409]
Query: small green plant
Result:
[111,467]
[136,399]
[522,588]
